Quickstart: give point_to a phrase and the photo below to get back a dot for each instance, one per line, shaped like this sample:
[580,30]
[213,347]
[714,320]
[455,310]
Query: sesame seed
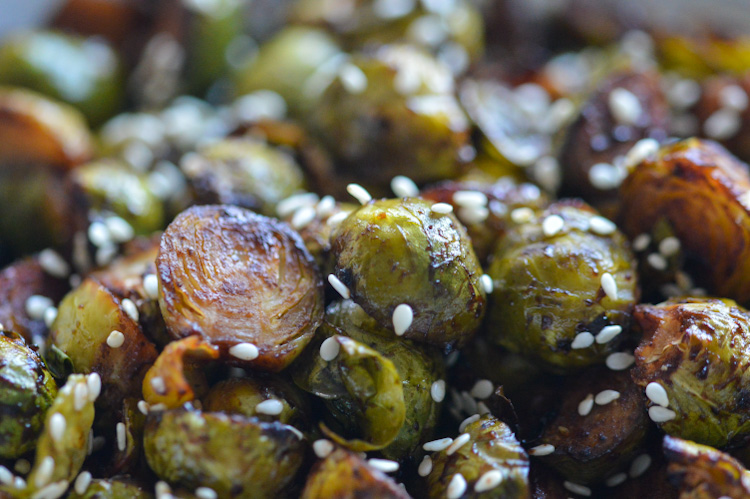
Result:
[585,405]
[206,493]
[608,333]
[151,286]
[604,176]
[339,286]
[482,408]
[669,246]
[733,97]
[384,465]
[119,229]
[547,173]
[577,488]
[639,465]
[641,242]
[36,305]
[325,206]
[303,217]
[322,448]
[52,263]
[482,389]
[441,208]
[466,422]
[99,235]
[684,93]
[683,280]
[57,426]
[51,491]
[115,339]
[438,445]
[293,203]
[657,394]
[122,440]
[659,414]
[456,487]
[437,390]
[272,407]
[94,385]
[488,481]
[521,215]
[459,442]
[472,215]
[6,476]
[404,187]
[157,383]
[552,225]
[582,340]
[353,79]
[22,466]
[425,467]
[657,261]
[470,198]
[359,193]
[19,483]
[329,349]
[609,285]
[604,397]
[157,407]
[129,307]
[602,226]
[50,314]
[297,433]
[44,471]
[625,106]
[640,151]
[403,315]
[143,407]
[722,124]
[487,283]
[542,450]
[616,480]
[337,218]
[162,489]
[244,351]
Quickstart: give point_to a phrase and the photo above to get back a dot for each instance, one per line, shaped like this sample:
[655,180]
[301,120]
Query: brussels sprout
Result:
[83,72]
[171,380]
[233,455]
[27,391]
[362,389]
[344,474]
[713,108]
[242,172]
[392,113]
[703,55]
[242,281]
[492,448]
[112,488]
[702,472]
[556,277]
[698,188]
[398,251]
[695,350]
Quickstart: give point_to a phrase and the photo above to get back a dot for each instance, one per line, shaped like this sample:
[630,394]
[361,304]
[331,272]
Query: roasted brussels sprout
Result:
[698,189]
[724,114]
[233,455]
[565,284]
[83,72]
[244,282]
[490,463]
[691,363]
[111,488]
[27,391]
[398,251]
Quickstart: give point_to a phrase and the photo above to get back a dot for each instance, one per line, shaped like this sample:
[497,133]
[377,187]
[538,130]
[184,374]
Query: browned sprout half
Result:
[344,474]
[244,282]
[700,190]
[702,472]
[693,363]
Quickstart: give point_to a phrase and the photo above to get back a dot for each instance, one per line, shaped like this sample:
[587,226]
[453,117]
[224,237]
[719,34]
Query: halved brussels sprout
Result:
[398,251]
[564,289]
[696,351]
[233,455]
[244,282]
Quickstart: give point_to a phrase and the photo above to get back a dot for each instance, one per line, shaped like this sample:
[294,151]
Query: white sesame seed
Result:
[325,206]
[684,93]
[437,390]
[438,445]
[57,426]
[733,97]
[115,339]
[456,487]
[82,482]
[604,397]
[36,305]
[94,385]
[404,187]
[482,408]
[303,217]
[50,314]
[105,255]
[470,198]
[425,467]
[206,493]
[403,315]
[19,483]
[122,440]
[616,480]
[657,394]
[151,286]
[585,405]
[22,466]
[441,208]
[6,476]
[577,488]
[99,235]
[129,307]
[642,150]
[337,218]
[659,414]
[542,450]
[359,193]
[722,124]
[52,263]
[157,383]
[604,176]
[293,203]
[466,422]
[602,226]
[608,333]
[297,433]
[329,349]
[582,340]
[143,407]
[339,286]
[119,229]
[488,285]
[482,389]
[384,465]
[244,351]
[272,407]
[669,246]
[609,285]
[459,442]
[657,261]
[44,471]
[522,215]
[639,465]
[488,481]
[641,242]
[472,215]
[162,488]
[52,491]
[683,280]
[552,225]
[322,448]
[352,78]
[625,106]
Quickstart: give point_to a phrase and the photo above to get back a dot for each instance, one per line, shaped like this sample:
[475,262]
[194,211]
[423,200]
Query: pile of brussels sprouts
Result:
[371,248]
